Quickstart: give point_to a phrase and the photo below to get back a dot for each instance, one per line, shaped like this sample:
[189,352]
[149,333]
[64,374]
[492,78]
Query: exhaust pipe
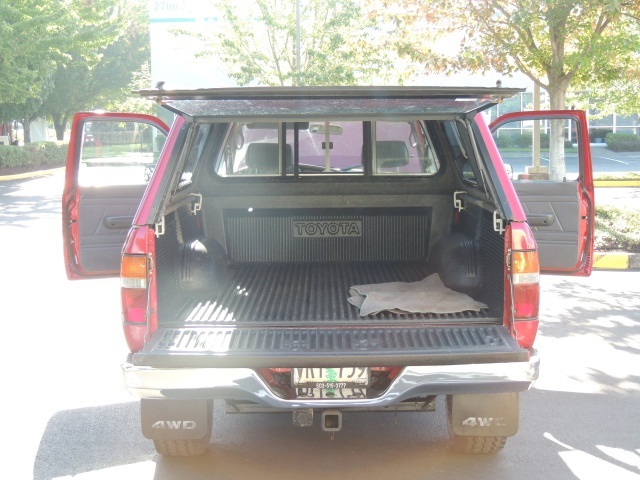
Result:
[331,420]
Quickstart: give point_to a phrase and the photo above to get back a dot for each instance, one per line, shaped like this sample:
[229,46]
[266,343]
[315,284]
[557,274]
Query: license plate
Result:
[331,378]
[331,383]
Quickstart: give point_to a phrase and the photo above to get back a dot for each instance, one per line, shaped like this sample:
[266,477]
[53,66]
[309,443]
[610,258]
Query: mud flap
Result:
[165,419]
[486,415]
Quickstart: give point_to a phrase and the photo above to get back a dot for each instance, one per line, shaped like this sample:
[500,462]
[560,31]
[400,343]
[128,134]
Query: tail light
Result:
[137,287]
[525,284]
[133,276]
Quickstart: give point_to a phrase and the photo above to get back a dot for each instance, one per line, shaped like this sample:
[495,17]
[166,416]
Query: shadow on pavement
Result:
[560,433]
[90,439]
[23,200]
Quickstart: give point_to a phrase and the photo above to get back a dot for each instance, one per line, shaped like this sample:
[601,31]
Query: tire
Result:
[182,448]
[479,444]
[476,444]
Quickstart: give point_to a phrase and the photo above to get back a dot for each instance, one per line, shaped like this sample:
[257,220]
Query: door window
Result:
[540,150]
[548,157]
[118,153]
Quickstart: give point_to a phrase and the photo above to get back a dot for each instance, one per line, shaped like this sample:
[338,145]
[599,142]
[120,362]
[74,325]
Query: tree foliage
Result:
[26,58]
[60,56]
[558,44]
[82,84]
[339,44]
[36,34]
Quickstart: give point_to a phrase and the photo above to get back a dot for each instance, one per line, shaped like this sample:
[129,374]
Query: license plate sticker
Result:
[331,378]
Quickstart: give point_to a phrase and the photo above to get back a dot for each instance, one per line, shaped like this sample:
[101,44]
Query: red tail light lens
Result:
[138,292]
[134,305]
[133,277]
[525,283]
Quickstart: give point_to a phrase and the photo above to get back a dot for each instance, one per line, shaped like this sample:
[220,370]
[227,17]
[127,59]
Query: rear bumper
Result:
[246,384]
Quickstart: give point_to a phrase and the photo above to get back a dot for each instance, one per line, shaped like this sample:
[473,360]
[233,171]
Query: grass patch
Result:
[617,176]
[617,230]
[116,150]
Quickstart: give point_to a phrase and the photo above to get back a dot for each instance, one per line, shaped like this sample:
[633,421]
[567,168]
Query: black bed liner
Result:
[287,295]
[289,315]
[326,347]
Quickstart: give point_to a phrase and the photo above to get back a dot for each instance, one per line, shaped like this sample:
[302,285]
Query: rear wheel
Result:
[182,448]
[476,444]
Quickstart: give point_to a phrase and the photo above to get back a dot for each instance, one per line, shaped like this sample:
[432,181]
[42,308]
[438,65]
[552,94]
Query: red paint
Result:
[526,332]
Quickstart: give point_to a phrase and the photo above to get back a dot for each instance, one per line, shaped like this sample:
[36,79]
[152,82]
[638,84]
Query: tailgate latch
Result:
[160,227]
[457,201]
[498,223]
[197,204]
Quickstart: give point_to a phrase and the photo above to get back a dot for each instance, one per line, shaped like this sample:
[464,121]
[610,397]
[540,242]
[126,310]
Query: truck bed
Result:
[288,315]
[305,295]
[262,300]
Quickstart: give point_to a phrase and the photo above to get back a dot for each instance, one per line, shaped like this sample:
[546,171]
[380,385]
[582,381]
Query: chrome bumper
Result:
[413,381]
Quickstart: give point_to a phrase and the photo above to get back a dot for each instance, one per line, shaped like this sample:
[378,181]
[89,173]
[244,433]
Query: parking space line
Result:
[615,160]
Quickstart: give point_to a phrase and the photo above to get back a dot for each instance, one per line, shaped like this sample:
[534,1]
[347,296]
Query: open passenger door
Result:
[548,156]
[110,160]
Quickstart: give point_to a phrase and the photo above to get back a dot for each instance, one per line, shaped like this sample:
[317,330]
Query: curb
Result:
[616,261]
[38,173]
[616,183]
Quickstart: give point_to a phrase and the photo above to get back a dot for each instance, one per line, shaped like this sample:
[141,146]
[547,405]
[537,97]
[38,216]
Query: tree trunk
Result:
[26,125]
[12,135]
[557,101]
[60,125]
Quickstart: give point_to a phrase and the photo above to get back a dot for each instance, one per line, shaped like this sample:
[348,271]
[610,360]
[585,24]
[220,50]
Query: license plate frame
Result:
[331,383]
[330,378]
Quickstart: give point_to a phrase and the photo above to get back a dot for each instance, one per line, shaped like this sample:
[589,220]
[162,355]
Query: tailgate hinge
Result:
[160,227]
[498,223]
[197,204]
[457,201]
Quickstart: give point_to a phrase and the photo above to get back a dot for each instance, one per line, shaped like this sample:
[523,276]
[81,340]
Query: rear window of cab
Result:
[327,147]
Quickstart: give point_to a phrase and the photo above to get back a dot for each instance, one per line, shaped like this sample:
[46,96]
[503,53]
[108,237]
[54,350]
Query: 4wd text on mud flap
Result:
[484,422]
[174,425]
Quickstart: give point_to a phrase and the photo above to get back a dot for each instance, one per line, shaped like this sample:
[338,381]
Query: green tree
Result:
[81,83]
[29,40]
[37,36]
[621,96]
[338,43]
[558,44]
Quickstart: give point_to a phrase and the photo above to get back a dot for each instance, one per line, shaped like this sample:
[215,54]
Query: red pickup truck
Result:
[328,250]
